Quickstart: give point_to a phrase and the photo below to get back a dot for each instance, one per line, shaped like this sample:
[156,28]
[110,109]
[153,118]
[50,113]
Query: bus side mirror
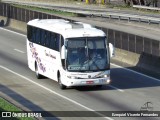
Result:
[111,50]
[63,53]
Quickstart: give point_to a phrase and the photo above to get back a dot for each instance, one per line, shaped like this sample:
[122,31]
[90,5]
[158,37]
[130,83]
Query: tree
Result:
[155,3]
[141,2]
[128,2]
[150,2]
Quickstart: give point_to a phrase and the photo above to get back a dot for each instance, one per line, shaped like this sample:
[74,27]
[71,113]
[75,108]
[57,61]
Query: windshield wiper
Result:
[96,65]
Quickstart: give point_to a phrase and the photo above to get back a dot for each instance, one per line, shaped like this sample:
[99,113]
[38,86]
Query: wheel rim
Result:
[60,83]
[37,73]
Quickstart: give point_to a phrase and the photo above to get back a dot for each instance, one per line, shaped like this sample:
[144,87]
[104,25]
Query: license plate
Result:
[89,82]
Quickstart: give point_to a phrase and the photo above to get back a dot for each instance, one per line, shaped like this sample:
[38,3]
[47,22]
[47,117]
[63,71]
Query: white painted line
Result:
[137,72]
[13,32]
[120,90]
[20,51]
[64,97]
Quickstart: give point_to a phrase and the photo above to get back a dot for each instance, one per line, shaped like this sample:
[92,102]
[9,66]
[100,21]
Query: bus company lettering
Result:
[50,55]
[35,55]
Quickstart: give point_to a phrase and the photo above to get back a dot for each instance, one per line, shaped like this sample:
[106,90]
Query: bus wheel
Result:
[38,76]
[60,83]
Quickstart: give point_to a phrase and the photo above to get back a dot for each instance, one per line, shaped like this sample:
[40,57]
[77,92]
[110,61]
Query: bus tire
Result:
[60,83]
[38,76]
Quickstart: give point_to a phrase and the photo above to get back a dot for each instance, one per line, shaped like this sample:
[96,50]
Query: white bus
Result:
[71,53]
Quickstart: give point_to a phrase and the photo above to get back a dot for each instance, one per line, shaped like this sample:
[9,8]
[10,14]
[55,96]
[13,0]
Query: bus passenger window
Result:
[38,32]
[62,41]
[52,44]
[33,39]
[43,37]
[29,32]
[48,36]
[57,39]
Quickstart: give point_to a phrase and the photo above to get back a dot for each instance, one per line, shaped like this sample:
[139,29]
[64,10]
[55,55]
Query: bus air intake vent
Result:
[76,25]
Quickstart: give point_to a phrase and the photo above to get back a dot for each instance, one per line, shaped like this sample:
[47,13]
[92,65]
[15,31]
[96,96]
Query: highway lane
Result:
[134,90]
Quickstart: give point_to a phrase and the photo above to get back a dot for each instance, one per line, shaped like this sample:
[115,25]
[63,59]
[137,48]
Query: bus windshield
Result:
[87,54]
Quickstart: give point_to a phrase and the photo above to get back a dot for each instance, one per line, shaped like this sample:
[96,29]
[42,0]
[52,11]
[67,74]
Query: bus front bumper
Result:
[87,82]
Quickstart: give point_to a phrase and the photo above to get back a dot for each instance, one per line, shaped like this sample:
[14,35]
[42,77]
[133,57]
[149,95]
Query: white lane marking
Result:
[120,90]
[137,72]
[19,51]
[64,97]
[13,32]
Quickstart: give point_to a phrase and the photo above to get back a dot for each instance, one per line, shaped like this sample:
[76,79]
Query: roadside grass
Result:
[45,10]
[5,106]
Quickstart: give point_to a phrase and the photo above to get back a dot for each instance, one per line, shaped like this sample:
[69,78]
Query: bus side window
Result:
[57,39]
[52,42]
[38,33]
[48,37]
[43,36]
[62,41]
[29,32]
[33,37]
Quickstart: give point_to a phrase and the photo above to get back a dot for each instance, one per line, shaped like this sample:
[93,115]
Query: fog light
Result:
[108,81]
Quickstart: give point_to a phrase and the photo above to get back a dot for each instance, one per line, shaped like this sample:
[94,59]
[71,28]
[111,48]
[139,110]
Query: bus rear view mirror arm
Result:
[111,50]
[63,52]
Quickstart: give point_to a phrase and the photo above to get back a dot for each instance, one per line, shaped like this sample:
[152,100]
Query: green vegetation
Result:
[6,106]
[45,10]
[129,8]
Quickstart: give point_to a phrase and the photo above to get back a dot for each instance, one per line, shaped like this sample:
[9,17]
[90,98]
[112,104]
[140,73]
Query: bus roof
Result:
[67,29]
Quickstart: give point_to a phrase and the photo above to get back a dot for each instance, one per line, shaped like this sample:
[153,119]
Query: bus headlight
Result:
[108,81]
[105,76]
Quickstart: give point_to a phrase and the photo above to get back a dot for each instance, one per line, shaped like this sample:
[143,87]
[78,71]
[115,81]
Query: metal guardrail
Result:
[97,13]
[146,7]
[130,17]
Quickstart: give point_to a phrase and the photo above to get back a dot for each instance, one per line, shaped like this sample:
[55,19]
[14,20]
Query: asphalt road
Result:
[128,91]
